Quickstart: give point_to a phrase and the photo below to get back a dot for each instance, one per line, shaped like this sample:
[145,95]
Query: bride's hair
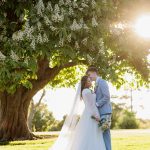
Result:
[83,83]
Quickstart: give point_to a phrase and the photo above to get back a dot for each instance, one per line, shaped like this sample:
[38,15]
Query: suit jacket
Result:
[103,97]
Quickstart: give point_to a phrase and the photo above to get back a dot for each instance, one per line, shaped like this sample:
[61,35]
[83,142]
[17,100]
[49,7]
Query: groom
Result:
[102,101]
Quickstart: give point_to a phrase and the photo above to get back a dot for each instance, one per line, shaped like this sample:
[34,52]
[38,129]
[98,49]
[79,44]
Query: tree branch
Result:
[39,102]
[46,74]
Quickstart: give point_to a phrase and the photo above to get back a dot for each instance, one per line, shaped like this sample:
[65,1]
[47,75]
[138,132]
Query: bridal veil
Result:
[66,134]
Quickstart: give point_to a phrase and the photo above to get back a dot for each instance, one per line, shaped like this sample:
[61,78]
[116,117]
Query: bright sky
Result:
[59,101]
[142,26]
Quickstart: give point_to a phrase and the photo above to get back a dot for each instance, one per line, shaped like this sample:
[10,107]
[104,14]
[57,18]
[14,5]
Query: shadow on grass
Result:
[8,143]
[4,142]
[42,140]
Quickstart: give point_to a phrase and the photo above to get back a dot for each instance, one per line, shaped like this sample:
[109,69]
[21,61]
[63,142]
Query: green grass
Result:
[42,144]
[121,140]
[131,140]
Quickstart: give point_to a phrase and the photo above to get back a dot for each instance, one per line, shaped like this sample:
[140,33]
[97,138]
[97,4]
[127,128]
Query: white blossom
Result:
[57,18]
[45,38]
[68,2]
[89,59]
[53,28]
[26,61]
[14,56]
[2,56]
[39,25]
[101,50]
[33,43]
[61,2]
[56,9]
[40,7]
[39,38]
[61,17]
[49,6]
[62,11]
[69,38]
[18,36]
[61,42]
[75,26]
[101,46]
[29,32]
[81,9]
[14,36]
[84,41]
[85,27]
[71,12]
[94,22]
[27,26]
[77,45]
[74,4]
[81,20]
[93,3]
[84,5]
[47,21]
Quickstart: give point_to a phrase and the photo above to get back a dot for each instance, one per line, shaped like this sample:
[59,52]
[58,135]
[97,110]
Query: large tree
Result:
[41,40]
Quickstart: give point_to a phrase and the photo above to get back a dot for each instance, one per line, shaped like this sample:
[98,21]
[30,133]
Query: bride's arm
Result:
[90,98]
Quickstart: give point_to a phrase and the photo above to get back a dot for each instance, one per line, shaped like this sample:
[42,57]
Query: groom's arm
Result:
[106,95]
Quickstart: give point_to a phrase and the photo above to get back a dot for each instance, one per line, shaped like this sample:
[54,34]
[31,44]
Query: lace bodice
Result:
[89,99]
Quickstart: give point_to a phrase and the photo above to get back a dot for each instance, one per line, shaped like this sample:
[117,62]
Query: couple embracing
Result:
[88,129]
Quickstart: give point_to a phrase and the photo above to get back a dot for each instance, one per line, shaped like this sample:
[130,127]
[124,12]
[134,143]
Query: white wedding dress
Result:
[87,135]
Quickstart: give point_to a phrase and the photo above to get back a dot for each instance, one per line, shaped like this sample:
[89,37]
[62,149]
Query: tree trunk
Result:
[14,108]
[13,123]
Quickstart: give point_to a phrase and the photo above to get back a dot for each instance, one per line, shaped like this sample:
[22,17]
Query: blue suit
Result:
[104,106]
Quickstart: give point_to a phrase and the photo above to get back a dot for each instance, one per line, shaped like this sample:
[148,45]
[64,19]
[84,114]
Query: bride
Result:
[80,131]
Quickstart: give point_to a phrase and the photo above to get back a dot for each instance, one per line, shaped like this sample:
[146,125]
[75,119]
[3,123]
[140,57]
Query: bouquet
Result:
[104,124]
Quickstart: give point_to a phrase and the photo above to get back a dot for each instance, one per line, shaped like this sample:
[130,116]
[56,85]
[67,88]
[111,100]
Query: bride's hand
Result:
[97,118]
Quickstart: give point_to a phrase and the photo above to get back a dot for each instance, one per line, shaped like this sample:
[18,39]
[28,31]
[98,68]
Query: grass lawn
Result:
[121,140]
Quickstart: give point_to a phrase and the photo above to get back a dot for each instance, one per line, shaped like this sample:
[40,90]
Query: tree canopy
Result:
[66,33]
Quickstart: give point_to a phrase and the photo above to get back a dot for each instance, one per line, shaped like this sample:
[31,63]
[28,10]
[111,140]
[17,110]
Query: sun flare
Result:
[142,26]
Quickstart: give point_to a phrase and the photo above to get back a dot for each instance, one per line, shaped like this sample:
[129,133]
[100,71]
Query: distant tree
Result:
[32,109]
[58,125]
[117,110]
[42,119]
[127,120]
[122,118]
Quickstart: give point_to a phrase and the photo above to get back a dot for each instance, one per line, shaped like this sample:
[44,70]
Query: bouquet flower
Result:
[104,124]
